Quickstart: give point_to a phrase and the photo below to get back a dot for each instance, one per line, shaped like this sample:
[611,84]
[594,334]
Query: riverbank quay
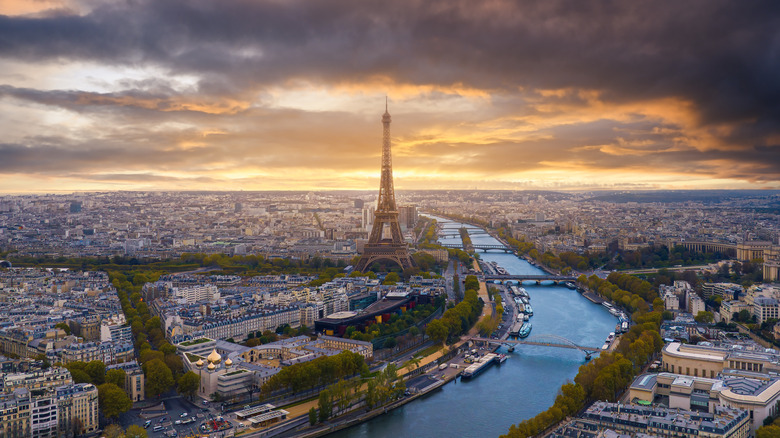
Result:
[442,377]
[428,365]
[361,418]
[592,297]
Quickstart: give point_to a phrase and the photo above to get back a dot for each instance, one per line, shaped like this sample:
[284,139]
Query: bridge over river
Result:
[450,233]
[484,248]
[529,277]
[544,340]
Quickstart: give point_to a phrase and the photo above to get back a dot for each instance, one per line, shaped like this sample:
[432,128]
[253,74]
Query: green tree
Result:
[113,431]
[135,431]
[771,430]
[253,342]
[704,317]
[437,331]
[80,376]
[64,326]
[325,405]
[175,364]
[391,279]
[167,348]
[117,377]
[113,400]
[148,354]
[159,378]
[744,315]
[372,396]
[312,416]
[188,384]
[97,372]
[389,342]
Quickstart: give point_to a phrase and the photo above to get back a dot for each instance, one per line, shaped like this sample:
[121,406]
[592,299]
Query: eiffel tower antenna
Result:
[386,241]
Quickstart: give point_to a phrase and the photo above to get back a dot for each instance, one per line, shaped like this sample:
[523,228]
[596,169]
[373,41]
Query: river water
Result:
[526,384]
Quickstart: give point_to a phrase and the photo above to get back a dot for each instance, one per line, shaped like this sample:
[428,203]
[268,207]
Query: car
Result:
[147,424]
[183,414]
[205,402]
[177,422]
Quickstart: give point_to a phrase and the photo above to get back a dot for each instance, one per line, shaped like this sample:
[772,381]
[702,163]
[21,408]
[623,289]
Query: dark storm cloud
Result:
[48,156]
[721,57]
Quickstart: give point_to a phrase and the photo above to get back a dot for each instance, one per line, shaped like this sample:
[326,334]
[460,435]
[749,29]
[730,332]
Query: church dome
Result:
[214,357]
[199,363]
[211,367]
[228,362]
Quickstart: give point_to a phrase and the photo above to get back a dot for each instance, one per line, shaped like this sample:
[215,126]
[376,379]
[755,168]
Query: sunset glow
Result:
[266,95]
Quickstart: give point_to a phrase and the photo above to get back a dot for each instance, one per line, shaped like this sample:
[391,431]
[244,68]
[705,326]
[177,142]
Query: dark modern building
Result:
[396,302]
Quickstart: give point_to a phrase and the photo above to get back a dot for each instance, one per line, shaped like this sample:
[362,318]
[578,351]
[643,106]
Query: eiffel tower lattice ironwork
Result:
[386,241]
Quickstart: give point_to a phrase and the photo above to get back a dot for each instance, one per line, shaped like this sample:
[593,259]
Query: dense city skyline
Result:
[182,95]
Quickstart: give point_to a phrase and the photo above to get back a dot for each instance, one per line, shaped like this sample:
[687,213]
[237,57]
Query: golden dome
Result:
[199,363]
[214,357]
[228,362]
[211,367]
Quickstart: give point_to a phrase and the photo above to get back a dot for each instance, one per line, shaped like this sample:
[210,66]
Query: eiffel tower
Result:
[386,241]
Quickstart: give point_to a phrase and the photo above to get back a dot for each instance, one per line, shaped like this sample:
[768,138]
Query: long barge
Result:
[481,365]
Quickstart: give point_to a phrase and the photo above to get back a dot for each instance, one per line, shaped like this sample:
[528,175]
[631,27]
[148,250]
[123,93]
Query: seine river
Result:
[526,384]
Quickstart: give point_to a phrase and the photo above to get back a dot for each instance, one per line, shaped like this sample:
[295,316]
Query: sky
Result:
[99,95]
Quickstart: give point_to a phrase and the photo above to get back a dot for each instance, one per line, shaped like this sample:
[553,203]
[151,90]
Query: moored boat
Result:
[525,330]
[477,367]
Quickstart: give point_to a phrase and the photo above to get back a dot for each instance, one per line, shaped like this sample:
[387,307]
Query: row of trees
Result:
[318,372]
[570,399]
[489,323]
[605,377]
[112,398]
[457,320]
[162,366]
[631,301]
[464,236]
[656,256]
[430,237]
[386,386]
[653,256]
[563,263]
[258,265]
